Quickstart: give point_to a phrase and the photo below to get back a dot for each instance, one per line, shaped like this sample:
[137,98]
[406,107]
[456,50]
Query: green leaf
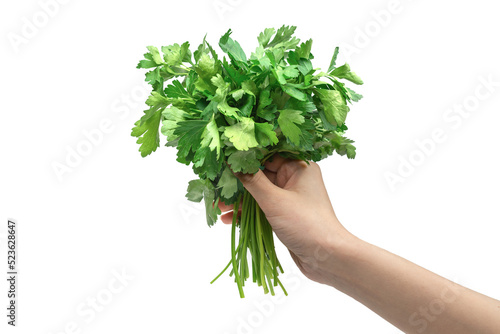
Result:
[206,164]
[234,74]
[204,48]
[277,54]
[264,101]
[334,107]
[278,74]
[261,58]
[334,60]
[247,107]
[353,95]
[153,76]
[207,67]
[176,54]
[268,113]
[171,117]
[288,121]
[291,71]
[158,100]
[242,134]
[211,137]
[155,54]
[344,72]
[295,93]
[220,96]
[264,98]
[305,66]
[265,36]
[198,189]
[148,62]
[232,48]
[237,94]
[147,134]
[305,49]
[247,162]
[190,135]
[227,110]
[284,38]
[176,90]
[304,106]
[228,184]
[204,87]
[265,134]
[342,145]
[211,207]
[195,190]
[279,98]
[249,87]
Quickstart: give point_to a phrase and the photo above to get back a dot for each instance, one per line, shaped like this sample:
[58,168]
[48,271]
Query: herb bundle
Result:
[231,114]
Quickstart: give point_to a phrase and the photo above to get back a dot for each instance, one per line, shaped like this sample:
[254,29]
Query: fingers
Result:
[284,166]
[224,208]
[290,170]
[276,163]
[270,175]
[265,186]
[262,189]
[227,218]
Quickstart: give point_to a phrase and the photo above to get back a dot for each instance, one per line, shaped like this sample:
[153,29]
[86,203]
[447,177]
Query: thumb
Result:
[261,188]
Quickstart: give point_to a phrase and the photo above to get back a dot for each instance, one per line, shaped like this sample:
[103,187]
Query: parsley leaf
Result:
[147,134]
[334,107]
[289,121]
[229,184]
[242,134]
[190,135]
[245,161]
[231,47]
[344,72]
[265,134]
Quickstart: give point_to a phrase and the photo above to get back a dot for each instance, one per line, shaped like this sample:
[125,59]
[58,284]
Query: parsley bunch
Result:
[231,114]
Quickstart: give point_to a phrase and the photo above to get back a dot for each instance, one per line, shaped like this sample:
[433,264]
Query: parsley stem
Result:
[244,239]
[233,249]
[260,236]
[222,272]
[255,236]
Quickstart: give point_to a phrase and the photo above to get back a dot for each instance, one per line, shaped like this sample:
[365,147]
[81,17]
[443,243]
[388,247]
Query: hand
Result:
[295,201]
[293,197]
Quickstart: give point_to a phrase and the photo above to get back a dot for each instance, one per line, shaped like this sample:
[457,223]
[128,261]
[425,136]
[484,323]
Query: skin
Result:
[408,296]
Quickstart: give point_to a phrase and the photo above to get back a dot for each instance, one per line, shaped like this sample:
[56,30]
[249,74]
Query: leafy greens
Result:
[239,111]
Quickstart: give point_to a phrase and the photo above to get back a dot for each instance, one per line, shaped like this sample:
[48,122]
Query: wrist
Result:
[335,255]
[326,259]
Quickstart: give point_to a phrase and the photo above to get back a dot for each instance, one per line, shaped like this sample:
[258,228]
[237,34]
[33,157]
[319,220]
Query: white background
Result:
[116,211]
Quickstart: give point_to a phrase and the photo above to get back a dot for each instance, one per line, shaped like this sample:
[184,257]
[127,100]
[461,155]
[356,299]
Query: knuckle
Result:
[254,179]
[249,179]
[315,167]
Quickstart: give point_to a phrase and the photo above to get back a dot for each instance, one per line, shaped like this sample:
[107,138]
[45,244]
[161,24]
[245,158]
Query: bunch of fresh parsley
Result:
[232,114]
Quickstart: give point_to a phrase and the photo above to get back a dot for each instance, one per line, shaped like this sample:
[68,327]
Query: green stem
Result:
[255,236]
[253,240]
[269,245]
[244,239]
[222,272]
[283,288]
[261,248]
[233,249]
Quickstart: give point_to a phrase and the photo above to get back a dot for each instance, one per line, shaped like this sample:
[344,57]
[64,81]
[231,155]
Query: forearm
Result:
[410,297]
